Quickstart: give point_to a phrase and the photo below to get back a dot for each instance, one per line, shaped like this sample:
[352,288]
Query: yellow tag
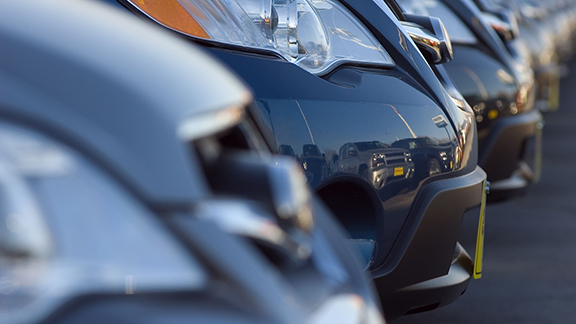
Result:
[480,238]
[398,171]
[553,93]
[492,114]
[537,152]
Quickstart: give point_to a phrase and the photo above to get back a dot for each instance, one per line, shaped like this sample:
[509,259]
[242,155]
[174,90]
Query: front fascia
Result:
[317,122]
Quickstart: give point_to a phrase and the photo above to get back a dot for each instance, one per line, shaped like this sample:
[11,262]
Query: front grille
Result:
[396,158]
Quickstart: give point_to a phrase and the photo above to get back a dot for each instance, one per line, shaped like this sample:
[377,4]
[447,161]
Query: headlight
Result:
[378,159]
[408,156]
[68,229]
[314,34]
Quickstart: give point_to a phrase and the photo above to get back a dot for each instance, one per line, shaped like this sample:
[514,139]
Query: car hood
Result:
[127,125]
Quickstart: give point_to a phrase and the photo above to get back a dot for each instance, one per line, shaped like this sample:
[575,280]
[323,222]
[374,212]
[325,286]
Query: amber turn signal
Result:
[172,15]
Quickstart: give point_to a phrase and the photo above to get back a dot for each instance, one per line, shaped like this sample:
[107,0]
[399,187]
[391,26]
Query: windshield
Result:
[365,146]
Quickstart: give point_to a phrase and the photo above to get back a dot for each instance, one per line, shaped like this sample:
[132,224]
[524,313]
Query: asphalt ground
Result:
[529,273]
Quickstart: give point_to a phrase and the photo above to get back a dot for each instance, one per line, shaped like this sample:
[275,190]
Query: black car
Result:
[137,188]
[327,74]
[500,91]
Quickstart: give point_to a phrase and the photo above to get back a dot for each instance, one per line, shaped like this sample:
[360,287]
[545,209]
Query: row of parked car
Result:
[262,161]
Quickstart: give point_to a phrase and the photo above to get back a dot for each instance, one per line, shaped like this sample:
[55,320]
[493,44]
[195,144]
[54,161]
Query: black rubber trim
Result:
[431,294]
[425,248]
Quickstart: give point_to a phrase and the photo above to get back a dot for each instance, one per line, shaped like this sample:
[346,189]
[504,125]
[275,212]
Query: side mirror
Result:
[430,36]
[504,23]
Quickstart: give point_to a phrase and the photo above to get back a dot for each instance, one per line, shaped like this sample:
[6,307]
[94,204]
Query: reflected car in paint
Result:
[432,156]
[378,163]
[314,164]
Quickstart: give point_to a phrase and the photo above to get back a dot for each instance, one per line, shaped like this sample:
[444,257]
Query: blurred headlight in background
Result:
[68,229]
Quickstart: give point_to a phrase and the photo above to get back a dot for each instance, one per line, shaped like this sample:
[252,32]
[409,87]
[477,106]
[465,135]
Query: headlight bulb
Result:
[263,15]
[286,34]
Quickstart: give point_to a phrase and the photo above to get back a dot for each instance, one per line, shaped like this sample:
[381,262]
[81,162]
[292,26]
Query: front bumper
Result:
[425,273]
[440,291]
[507,156]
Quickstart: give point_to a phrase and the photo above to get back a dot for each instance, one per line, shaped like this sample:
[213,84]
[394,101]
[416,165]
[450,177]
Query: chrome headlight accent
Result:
[435,42]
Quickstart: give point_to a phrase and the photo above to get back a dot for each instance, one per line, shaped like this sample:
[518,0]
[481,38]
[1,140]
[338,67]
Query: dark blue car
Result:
[329,77]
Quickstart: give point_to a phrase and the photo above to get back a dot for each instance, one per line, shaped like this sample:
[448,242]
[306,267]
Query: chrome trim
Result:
[436,42]
[209,122]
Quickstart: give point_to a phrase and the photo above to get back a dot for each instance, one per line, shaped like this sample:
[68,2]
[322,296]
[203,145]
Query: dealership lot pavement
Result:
[530,251]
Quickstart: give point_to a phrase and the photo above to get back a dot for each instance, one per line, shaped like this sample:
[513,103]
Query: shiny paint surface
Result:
[373,106]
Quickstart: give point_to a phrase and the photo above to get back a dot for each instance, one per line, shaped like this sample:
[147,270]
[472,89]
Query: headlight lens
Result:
[314,34]
[68,229]
[378,159]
